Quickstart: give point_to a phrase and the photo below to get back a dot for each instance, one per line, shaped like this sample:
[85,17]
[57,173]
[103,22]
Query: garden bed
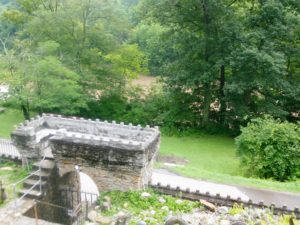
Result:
[151,208]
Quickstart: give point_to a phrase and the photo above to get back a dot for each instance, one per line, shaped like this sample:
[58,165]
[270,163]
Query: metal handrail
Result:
[25,178]
[33,186]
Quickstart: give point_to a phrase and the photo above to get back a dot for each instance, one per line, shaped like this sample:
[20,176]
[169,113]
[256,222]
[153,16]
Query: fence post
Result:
[1,197]
[36,214]
[86,209]
[15,195]
[40,171]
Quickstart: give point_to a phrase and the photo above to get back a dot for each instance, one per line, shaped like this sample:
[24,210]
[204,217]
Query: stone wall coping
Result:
[35,128]
[100,141]
[221,200]
[38,120]
[105,122]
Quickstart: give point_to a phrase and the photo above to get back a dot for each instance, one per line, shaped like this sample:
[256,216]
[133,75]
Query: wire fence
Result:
[72,208]
[45,211]
[80,202]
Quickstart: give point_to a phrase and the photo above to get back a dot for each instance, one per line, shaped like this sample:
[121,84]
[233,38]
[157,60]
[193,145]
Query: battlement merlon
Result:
[34,135]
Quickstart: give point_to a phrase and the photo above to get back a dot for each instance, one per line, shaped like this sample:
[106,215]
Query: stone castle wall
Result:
[115,156]
[115,166]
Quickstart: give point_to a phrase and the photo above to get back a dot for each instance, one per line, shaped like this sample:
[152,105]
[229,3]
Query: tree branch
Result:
[230,4]
[3,43]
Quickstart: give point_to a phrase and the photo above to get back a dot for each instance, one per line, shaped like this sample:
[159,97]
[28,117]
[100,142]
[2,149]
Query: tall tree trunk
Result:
[25,111]
[222,95]
[207,85]
[206,104]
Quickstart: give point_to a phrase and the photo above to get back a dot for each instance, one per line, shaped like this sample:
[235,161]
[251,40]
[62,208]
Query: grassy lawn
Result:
[9,174]
[8,119]
[213,158]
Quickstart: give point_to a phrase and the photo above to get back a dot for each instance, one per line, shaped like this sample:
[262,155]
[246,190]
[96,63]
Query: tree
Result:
[72,50]
[229,60]
[149,38]
[39,81]
[262,80]
[200,34]
[270,148]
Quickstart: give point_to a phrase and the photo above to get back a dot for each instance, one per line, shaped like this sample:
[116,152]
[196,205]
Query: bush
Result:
[269,148]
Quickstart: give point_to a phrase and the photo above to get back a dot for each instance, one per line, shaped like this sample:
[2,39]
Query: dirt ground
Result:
[144,81]
[172,159]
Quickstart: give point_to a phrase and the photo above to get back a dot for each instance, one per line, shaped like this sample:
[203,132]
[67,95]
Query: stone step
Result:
[36,175]
[33,194]
[45,165]
[30,182]
[48,154]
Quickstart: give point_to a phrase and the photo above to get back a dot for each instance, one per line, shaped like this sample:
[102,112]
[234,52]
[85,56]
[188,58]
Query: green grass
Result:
[8,119]
[213,158]
[9,174]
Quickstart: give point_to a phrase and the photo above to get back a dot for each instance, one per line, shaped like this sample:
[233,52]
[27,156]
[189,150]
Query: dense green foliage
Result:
[58,55]
[226,61]
[270,149]
[221,63]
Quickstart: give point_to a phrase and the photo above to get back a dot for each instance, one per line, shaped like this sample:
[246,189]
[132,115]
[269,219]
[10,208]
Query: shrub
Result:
[269,148]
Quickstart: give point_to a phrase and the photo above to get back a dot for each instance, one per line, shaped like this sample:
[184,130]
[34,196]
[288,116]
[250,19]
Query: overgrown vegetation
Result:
[269,148]
[268,217]
[138,206]
[154,208]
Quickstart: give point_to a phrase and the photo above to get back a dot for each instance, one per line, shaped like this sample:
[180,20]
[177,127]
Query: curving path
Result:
[291,200]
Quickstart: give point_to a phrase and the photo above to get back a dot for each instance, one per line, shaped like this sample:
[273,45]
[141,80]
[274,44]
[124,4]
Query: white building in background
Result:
[4,89]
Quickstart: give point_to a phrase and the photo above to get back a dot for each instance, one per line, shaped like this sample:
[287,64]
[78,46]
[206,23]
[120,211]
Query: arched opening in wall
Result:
[88,188]
[78,187]
[78,192]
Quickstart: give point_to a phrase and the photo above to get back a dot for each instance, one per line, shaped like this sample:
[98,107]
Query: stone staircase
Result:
[46,167]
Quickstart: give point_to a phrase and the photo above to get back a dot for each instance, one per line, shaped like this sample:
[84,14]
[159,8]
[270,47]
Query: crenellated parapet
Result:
[115,155]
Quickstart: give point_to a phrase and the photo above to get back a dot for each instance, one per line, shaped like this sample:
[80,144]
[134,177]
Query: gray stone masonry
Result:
[115,156]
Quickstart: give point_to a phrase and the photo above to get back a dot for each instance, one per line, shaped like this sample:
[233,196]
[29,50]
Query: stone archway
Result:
[115,156]
[79,182]
[88,188]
